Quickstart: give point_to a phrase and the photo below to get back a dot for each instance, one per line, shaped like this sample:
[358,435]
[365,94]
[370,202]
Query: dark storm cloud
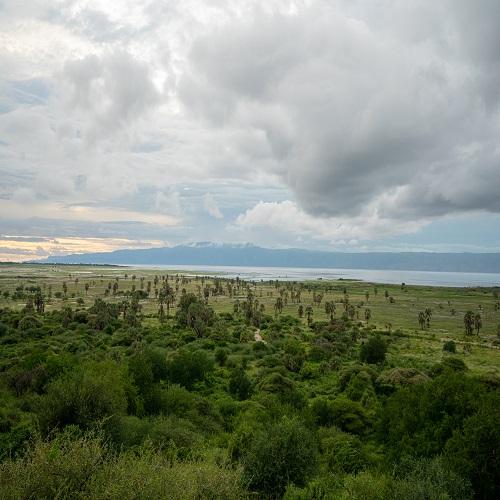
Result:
[376,117]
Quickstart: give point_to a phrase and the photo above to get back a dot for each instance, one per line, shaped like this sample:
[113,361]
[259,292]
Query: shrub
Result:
[84,396]
[342,412]
[186,367]
[60,468]
[283,453]
[240,385]
[450,346]
[401,377]
[418,420]
[28,323]
[221,355]
[3,329]
[342,452]
[373,351]
[473,450]
[428,478]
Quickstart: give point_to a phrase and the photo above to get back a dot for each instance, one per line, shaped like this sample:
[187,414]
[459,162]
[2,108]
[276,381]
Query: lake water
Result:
[431,278]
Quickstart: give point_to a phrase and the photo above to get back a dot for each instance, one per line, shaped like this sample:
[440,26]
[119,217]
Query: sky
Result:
[349,125]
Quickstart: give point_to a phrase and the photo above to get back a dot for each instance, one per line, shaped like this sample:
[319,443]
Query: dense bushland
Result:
[102,402]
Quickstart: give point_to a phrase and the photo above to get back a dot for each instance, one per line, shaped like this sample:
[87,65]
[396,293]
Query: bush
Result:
[426,478]
[450,346]
[342,452]
[283,453]
[3,329]
[83,467]
[61,468]
[473,450]
[221,355]
[84,396]
[186,367]
[373,351]
[449,364]
[342,412]
[240,385]
[418,420]
[29,323]
[401,377]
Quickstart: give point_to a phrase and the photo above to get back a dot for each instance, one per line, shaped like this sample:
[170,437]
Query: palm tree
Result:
[309,314]
[428,316]
[478,323]
[330,309]
[469,322]
[368,314]
[278,306]
[421,320]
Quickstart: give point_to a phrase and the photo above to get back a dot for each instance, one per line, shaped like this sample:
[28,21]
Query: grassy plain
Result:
[394,308]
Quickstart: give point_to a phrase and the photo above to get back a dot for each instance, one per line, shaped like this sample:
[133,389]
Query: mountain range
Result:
[248,255]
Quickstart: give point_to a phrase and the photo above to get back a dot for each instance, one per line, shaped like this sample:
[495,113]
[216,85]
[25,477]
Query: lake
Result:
[428,278]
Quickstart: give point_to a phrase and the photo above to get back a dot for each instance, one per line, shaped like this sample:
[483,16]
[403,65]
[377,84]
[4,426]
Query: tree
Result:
[309,314]
[428,316]
[368,314]
[351,311]
[166,296]
[199,317]
[472,451]
[478,322]
[469,322]
[39,302]
[186,367]
[373,351]
[330,309]
[283,453]
[240,385]
[421,320]
[278,306]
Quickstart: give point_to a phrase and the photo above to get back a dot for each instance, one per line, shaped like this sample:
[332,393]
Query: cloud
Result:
[137,119]
[374,118]
[210,205]
[288,218]
[19,249]
[113,90]
[16,209]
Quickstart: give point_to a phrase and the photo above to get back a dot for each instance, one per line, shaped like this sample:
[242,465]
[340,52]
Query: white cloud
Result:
[210,205]
[286,217]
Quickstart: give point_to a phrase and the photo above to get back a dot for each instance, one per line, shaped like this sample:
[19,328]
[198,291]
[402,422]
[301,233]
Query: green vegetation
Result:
[133,383]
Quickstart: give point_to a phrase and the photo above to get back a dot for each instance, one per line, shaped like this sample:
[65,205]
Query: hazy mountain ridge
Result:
[249,255]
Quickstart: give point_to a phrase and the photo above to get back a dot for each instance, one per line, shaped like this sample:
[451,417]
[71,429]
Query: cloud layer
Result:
[324,121]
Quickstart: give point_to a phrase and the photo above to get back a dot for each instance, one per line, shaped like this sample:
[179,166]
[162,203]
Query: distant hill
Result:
[249,255]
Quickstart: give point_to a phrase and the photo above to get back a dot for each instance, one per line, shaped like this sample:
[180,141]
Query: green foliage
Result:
[29,323]
[418,420]
[342,452]
[283,453]
[450,346]
[188,367]
[373,351]
[240,385]
[83,467]
[221,356]
[85,396]
[348,415]
[298,415]
[472,451]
